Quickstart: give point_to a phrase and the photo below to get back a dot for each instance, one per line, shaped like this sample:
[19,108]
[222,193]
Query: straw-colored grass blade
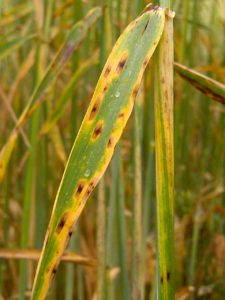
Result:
[103,124]
[208,86]
[72,42]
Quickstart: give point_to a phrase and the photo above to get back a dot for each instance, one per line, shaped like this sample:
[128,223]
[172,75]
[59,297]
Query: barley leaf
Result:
[208,86]
[103,124]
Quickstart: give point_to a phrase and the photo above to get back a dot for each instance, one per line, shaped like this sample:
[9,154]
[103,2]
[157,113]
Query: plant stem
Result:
[165,161]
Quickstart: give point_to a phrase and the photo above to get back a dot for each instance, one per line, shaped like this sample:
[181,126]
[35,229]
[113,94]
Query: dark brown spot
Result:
[161,280]
[121,115]
[110,143]
[168,276]
[97,131]
[145,62]
[205,90]
[94,109]
[61,223]
[135,91]
[70,233]
[54,270]
[79,189]
[145,28]
[121,64]
[107,71]
[105,88]
[89,189]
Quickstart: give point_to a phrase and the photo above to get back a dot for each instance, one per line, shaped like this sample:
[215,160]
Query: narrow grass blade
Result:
[72,42]
[15,14]
[208,86]
[31,254]
[165,163]
[7,48]
[136,276]
[101,259]
[100,131]
[122,234]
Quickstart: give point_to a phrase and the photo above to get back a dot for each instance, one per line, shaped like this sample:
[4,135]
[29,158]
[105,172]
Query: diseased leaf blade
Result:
[208,86]
[103,124]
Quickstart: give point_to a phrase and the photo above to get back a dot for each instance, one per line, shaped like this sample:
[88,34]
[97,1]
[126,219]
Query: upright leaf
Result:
[103,124]
[165,162]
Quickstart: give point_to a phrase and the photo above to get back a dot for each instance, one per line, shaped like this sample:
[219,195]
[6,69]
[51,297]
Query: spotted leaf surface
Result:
[103,124]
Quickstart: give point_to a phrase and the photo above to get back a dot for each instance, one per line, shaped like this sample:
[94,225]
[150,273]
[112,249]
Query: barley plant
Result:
[112,150]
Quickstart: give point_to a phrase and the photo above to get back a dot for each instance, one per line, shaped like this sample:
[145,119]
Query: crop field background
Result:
[161,201]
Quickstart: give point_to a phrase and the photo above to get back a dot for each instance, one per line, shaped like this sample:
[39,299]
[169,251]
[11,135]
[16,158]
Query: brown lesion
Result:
[168,276]
[205,90]
[62,223]
[107,71]
[94,109]
[135,91]
[79,188]
[121,64]
[110,142]
[161,279]
[121,115]
[145,62]
[97,131]
[146,25]
[105,88]
[90,188]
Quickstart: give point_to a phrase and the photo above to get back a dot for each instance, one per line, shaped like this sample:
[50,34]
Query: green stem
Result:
[165,161]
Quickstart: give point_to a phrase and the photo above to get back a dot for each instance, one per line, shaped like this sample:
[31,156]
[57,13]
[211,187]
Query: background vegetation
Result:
[102,249]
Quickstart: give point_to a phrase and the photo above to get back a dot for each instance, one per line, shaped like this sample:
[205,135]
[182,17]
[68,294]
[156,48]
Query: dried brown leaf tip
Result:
[97,131]
[150,7]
